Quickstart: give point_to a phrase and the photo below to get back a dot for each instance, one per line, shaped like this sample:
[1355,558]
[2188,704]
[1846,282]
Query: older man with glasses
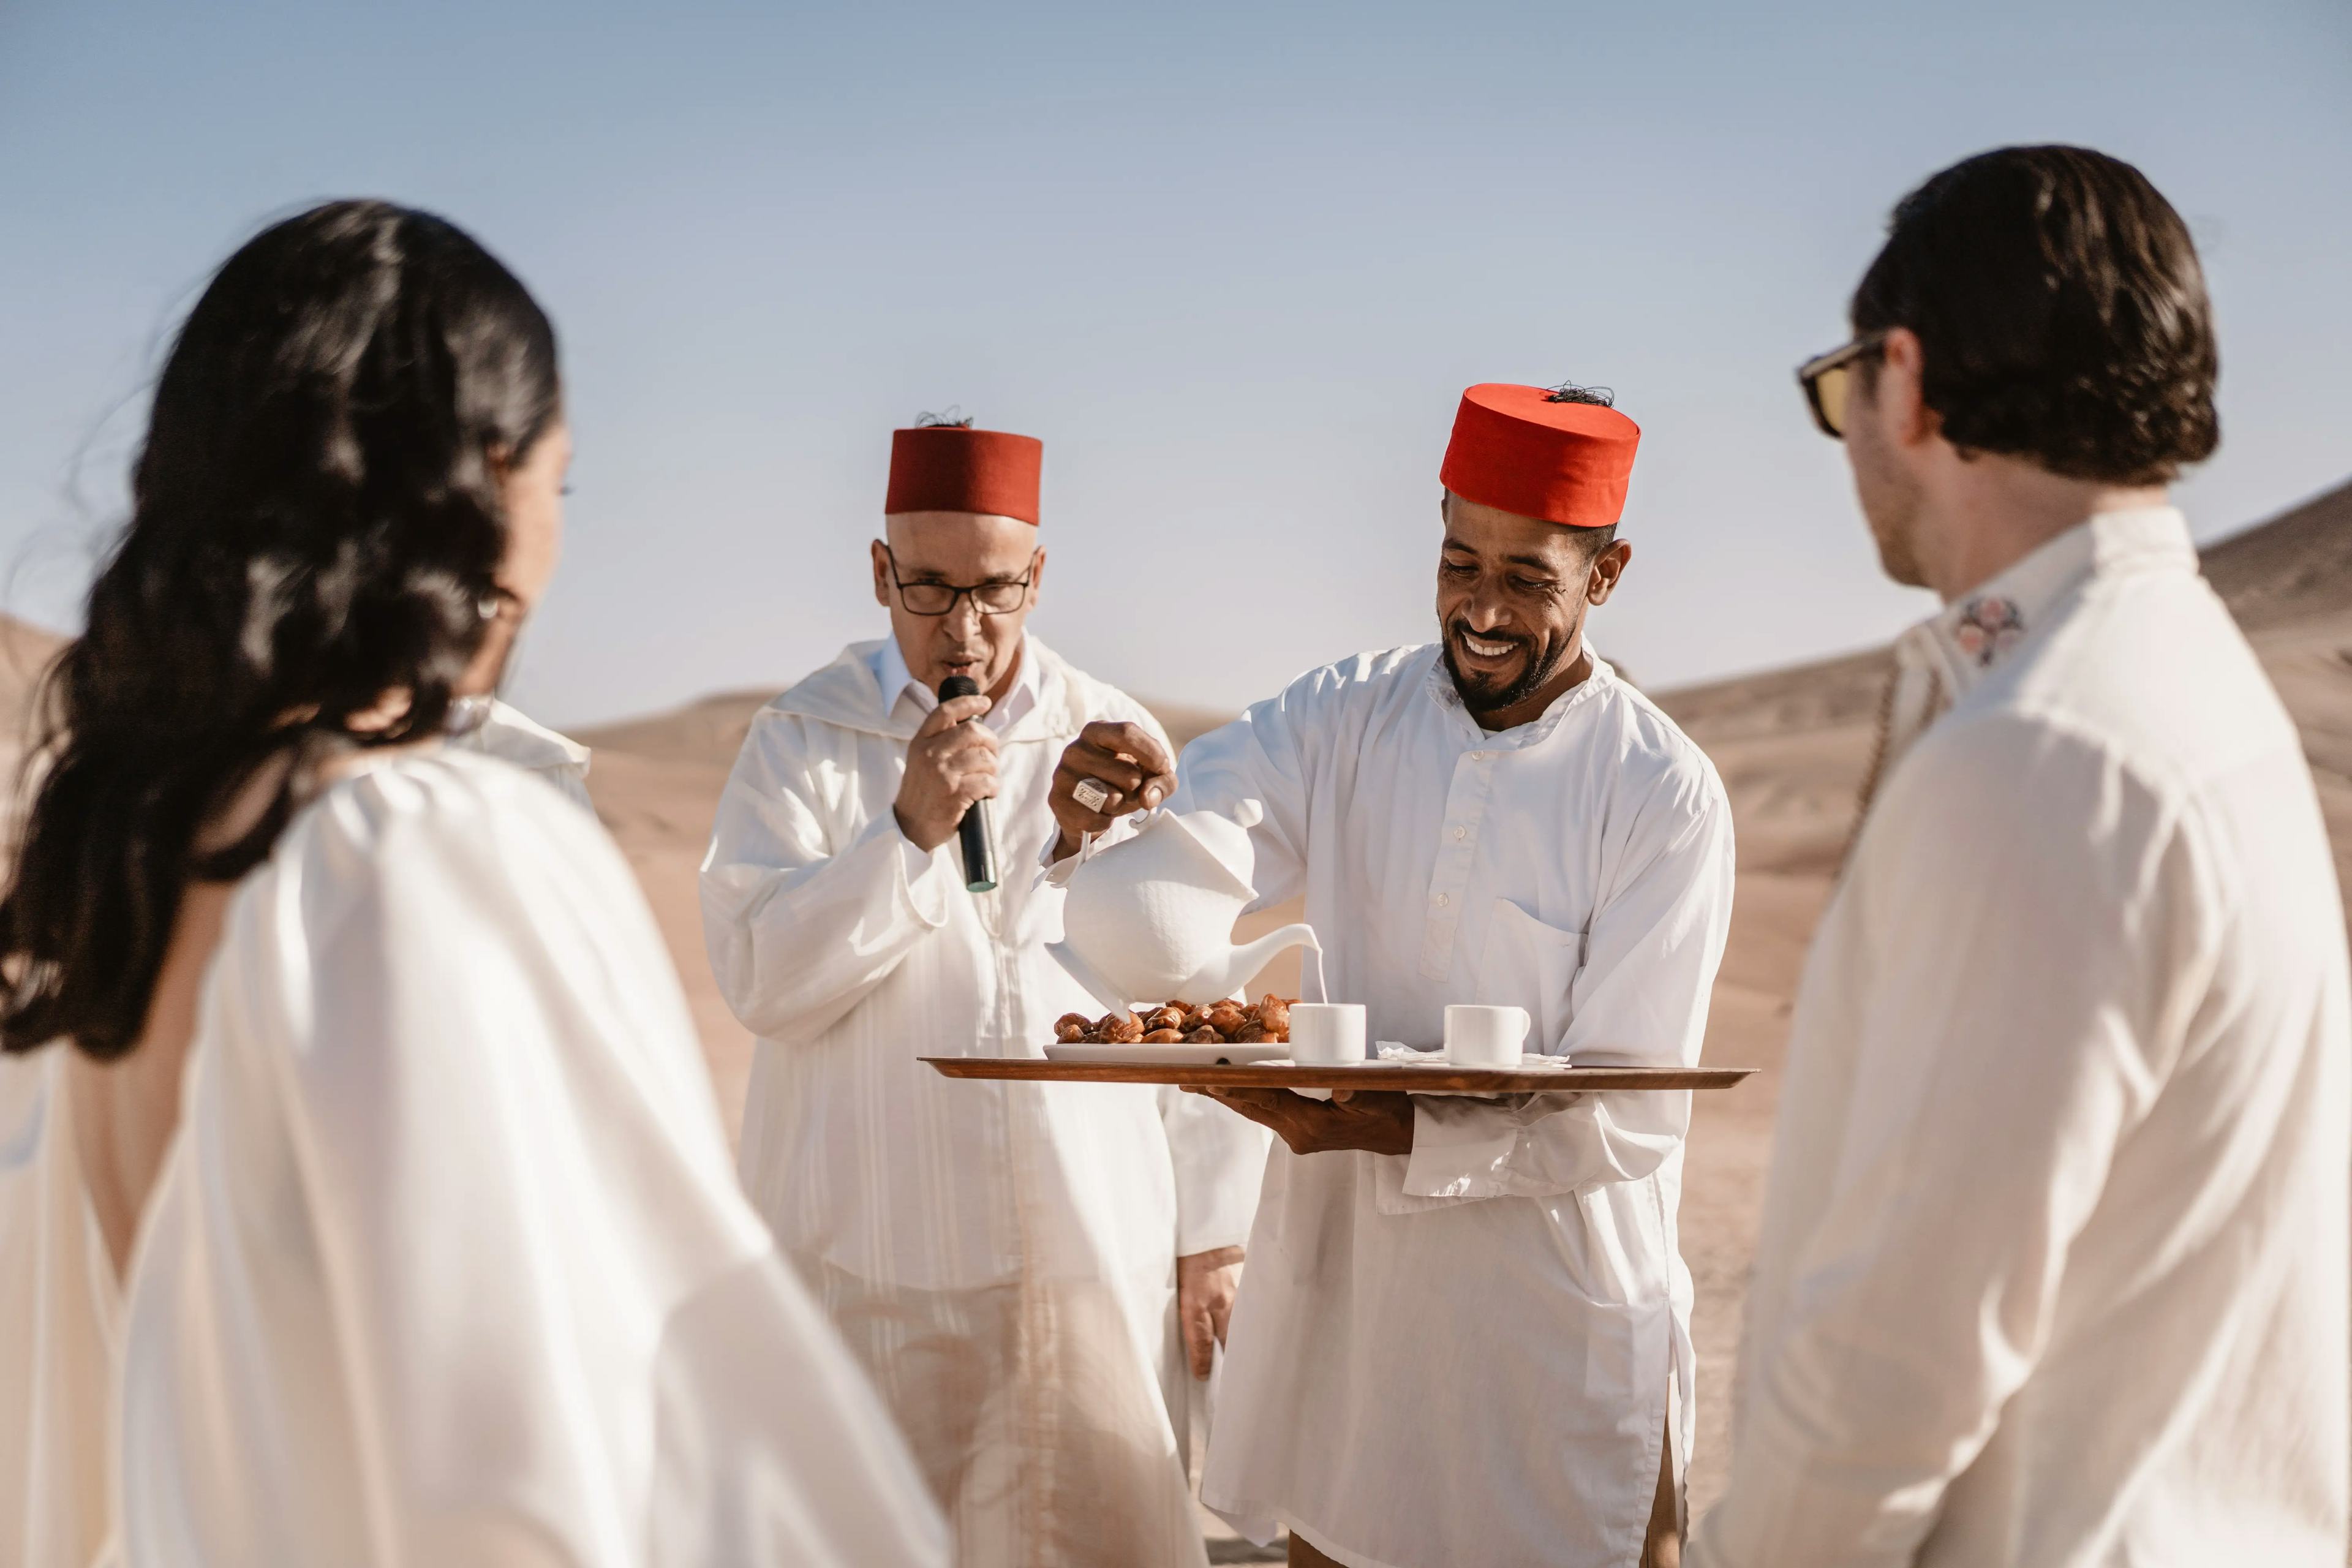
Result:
[1027,1269]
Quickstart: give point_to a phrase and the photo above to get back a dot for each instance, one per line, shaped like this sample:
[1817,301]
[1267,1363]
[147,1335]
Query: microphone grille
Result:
[956,686]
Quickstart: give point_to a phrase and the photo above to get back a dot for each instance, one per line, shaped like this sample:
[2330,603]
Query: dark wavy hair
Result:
[316,523]
[2062,312]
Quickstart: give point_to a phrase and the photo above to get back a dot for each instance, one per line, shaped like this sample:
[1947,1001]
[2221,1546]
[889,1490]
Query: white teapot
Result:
[1151,920]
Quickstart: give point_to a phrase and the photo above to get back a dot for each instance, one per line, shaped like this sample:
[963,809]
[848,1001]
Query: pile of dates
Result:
[1227,1023]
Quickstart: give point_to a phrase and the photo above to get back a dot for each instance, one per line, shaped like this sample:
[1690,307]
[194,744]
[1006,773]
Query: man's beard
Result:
[1540,663]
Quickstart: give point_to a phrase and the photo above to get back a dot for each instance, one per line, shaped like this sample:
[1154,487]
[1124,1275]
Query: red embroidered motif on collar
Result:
[1986,627]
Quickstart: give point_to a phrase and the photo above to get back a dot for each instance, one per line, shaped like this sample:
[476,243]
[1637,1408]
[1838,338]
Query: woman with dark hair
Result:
[366,1201]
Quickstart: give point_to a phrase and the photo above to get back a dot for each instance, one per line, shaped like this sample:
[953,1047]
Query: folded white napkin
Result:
[1396,1054]
[1393,1054]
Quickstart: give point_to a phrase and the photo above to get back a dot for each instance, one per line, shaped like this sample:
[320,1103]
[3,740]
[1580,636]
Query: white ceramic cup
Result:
[1483,1037]
[1327,1033]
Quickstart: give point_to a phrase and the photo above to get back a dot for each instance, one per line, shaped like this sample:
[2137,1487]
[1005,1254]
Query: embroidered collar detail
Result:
[1970,635]
[1987,626]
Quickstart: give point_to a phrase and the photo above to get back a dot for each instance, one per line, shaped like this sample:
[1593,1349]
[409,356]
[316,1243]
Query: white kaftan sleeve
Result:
[454,1217]
[1220,1158]
[2008,878]
[1259,757]
[1639,999]
[799,928]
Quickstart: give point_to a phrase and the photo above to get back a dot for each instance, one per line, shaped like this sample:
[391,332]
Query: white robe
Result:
[1466,1355]
[513,736]
[2053,1263]
[1002,1255]
[445,1263]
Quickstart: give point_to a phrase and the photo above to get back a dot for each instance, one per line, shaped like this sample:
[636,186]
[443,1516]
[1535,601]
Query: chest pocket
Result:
[1530,964]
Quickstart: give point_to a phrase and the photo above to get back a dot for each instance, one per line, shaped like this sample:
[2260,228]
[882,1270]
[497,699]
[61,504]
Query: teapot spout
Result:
[1247,960]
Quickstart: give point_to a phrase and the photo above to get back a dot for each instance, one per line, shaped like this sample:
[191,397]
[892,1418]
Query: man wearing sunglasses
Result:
[1027,1269]
[2052,1266]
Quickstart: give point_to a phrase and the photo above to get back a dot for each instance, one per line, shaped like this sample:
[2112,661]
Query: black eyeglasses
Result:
[996,597]
[1828,381]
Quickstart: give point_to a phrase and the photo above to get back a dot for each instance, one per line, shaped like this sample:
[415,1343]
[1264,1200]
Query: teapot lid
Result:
[1223,837]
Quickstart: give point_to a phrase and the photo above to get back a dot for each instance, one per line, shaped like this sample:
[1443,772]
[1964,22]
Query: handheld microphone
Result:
[979,839]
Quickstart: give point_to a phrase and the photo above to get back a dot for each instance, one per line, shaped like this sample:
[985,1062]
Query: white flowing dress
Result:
[446,1263]
[513,736]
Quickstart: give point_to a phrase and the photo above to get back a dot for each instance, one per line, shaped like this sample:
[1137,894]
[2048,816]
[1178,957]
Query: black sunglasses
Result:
[1828,381]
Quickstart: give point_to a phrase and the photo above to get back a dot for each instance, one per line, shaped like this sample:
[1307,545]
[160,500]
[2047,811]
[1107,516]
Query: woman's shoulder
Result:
[448,874]
[438,792]
[428,818]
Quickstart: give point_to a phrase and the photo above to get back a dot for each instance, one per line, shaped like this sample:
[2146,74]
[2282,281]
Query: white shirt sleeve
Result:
[1259,757]
[1218,1159]
[2010,1040]
[799,929]
[1640,999]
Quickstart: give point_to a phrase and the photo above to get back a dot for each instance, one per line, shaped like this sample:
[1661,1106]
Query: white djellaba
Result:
[1000,1256]
[1468,1354]
[447,1262]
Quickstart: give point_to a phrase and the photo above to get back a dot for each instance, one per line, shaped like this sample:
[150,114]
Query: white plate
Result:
[1170,1056]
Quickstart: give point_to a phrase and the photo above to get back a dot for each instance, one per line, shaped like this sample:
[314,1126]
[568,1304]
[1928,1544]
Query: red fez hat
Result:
[953,468]
[1517,450]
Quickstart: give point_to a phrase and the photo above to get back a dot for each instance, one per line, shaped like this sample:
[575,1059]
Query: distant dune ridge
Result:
[1791,745]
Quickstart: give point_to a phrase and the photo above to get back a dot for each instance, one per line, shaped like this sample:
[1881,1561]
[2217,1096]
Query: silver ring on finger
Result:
[1092,793]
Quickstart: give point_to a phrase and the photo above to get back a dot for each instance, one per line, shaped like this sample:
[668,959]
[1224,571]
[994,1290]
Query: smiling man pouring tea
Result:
[1465,1336]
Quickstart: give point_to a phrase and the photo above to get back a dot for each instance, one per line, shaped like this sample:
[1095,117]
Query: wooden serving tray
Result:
[1412,1080]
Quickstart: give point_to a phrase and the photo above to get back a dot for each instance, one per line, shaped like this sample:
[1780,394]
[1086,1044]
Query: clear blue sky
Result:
[1234,263]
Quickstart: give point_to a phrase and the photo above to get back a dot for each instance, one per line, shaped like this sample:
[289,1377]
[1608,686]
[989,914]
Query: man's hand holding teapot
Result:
[1109,771]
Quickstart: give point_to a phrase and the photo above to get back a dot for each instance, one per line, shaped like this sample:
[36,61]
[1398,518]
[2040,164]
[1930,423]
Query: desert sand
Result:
[1791,745]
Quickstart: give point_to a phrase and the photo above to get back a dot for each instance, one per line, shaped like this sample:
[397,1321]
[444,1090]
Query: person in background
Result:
[1466,1334]
[2052,1265]
[1026,1268]
[363,1194]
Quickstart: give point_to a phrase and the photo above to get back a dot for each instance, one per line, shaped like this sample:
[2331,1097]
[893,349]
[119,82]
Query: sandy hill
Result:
[1791,745]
